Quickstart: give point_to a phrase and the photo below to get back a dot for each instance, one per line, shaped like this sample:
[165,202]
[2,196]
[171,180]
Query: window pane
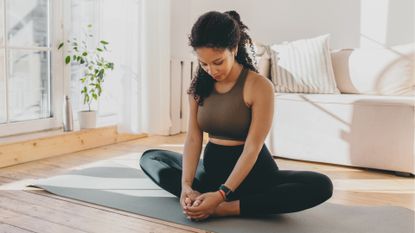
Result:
[27,22]
[83,13]
[29,85]
[3,113]
[75,89]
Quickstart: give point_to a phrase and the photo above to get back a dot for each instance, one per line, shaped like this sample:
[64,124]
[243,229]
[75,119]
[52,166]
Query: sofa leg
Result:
[403,174]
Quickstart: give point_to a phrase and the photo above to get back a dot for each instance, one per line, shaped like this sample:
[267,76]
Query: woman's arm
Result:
[262,92]
[192,146]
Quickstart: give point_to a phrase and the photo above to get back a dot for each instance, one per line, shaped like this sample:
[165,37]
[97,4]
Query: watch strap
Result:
[227,191]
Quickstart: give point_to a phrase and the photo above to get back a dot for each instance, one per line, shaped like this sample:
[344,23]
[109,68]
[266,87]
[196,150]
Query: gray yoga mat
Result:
[125,187]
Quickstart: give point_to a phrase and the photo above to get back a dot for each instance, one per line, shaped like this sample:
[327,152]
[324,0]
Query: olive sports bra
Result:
[225,115]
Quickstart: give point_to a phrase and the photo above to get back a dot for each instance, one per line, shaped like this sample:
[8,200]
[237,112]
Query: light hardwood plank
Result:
[6,228]
[28,220]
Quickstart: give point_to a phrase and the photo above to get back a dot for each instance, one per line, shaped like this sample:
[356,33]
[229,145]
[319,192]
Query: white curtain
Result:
[145,104]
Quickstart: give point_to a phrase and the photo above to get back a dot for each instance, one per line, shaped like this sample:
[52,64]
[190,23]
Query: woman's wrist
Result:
[225,191]
[221,196]
[186,184]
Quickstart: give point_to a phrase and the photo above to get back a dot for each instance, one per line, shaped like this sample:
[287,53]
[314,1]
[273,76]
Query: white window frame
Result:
[56,23]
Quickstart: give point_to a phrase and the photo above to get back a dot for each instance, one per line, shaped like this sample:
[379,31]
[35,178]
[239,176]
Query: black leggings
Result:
[266,189]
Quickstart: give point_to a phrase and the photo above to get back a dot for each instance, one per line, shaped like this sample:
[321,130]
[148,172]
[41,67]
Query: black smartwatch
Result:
[226,190]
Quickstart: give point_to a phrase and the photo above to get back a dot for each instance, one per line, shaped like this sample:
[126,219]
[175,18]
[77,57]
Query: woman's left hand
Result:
[204,206]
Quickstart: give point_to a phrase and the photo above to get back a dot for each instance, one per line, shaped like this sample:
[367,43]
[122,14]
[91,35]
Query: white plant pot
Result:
[87,119]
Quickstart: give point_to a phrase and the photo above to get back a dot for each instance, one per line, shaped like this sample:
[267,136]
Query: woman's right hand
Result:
[188,196]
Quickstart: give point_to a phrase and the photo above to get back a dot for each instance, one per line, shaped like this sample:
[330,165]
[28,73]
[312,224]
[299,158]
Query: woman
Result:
[234,104]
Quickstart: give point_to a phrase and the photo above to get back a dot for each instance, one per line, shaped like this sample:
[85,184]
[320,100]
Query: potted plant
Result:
[94,69]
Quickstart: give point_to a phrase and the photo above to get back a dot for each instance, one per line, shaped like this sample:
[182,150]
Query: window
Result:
[27,82]
[33,76]
[82,13]
[111,21]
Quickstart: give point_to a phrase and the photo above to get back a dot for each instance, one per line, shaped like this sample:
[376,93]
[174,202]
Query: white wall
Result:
[352,23]
[180,26]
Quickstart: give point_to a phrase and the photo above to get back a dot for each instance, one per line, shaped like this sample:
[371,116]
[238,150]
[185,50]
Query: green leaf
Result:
[89,25]
[82,61]
[103,42]
[99,89]
[60,45]
[84,54]
[68,59]
[94,96]
[99,49]
[101,73]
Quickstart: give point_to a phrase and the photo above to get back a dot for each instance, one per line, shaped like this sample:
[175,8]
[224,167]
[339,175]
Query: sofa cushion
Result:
[349,129]
[304,66]
[350,99]
[375,71]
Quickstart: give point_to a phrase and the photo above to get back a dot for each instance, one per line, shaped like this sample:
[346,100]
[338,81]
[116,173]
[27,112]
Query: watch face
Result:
[225,189]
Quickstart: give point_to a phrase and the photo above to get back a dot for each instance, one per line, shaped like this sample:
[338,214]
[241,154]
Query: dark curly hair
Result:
[223,31]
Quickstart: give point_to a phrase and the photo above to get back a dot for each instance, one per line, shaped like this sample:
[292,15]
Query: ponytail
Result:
[245,40]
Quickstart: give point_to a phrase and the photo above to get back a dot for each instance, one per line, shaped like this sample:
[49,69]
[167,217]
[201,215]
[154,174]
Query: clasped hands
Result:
[197,206]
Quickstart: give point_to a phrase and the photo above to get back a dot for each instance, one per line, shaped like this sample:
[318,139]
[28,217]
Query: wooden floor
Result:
[31,210]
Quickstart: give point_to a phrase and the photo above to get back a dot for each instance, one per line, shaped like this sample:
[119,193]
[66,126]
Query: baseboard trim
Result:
[67,142]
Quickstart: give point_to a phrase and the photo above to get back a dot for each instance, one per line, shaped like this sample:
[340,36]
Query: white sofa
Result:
[362,126]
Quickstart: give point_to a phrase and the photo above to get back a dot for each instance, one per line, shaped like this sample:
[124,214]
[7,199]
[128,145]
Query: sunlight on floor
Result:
[18,185]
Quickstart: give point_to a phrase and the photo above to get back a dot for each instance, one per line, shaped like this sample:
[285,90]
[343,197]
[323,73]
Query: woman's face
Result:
[216,62]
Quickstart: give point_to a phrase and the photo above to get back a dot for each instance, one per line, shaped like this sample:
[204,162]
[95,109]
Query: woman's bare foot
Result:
[227,209]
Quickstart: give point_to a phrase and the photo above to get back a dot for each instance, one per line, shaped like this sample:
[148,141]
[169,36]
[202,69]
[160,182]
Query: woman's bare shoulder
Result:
[260,78]
[257,84]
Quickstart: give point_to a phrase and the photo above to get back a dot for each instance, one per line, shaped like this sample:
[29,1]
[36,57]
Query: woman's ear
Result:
[235,52]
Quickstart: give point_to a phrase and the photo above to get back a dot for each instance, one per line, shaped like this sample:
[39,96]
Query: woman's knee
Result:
[147,157]
[324,185]
[158,156]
